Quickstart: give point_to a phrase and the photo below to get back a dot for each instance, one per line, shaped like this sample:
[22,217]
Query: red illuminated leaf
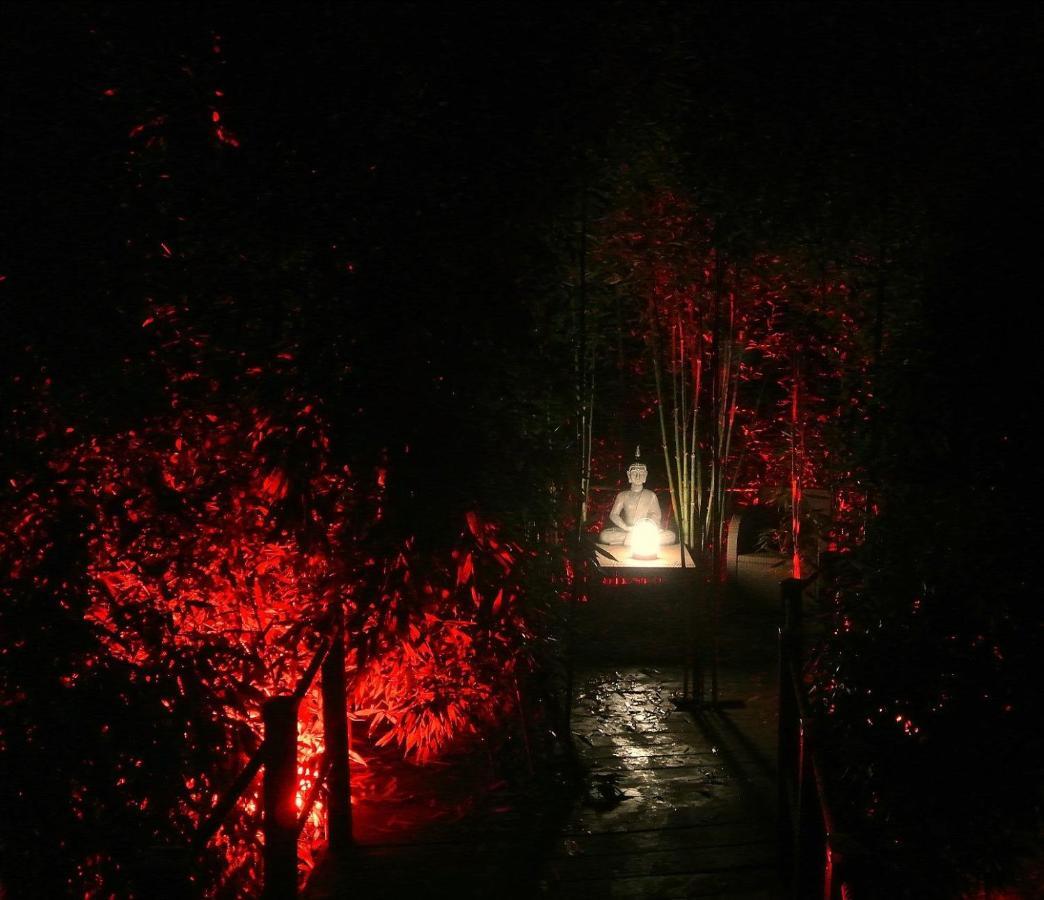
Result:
[466,570]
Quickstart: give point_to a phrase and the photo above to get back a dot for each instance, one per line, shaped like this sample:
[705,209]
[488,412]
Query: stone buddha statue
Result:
[636,505]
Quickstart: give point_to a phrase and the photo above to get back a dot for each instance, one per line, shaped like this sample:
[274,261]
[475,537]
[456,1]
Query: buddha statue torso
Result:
[637,505]
[631,507]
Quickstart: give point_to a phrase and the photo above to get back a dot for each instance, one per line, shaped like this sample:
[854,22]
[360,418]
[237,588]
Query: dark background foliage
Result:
[401,216]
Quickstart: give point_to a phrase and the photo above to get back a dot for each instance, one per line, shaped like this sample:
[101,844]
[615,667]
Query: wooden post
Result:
[699,694]
[570,641]
[336,738]
[715,619]
[732,545]
[280,796]
[806,864]
[830,884]
[786,760]
[835,887]
[791,590]
[789,757]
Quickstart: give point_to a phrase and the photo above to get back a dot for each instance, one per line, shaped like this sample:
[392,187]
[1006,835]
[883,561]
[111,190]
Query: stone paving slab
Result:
[746,881]
[678,804]
[696,812]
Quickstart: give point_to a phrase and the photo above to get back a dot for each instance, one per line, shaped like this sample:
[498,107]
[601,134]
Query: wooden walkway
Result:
[697,818]
[697,815]
[676,805]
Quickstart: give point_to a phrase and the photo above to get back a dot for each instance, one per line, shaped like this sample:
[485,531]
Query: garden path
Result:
[675,804]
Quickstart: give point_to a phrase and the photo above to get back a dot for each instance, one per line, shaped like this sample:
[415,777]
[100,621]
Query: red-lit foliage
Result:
[206,547]
[771,347]
[443,652]
[209,546]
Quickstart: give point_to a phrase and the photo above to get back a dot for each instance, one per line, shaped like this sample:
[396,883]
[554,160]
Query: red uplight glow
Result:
[202,577]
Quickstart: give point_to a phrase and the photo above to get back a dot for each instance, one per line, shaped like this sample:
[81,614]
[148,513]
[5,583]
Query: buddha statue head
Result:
[637,473]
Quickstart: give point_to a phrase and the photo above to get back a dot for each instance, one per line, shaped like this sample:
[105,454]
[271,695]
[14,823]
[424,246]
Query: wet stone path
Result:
[673,804]
[678,805]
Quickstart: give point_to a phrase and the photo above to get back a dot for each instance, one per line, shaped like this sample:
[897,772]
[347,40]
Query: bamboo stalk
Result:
[589,443]
[577,549]
[694,462]
[686,480]
[723,395]
[715,396]
[795,475]
[732,410]
[674,416]
[697,511]
[707,520]
[714,505]
[582,367]
[663,422]
[691,663]
[734,361]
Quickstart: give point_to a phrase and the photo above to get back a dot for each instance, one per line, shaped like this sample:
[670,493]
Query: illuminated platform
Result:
[609,558]
[639,609]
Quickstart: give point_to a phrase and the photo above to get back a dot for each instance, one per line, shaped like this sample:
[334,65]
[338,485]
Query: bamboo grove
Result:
[751,363]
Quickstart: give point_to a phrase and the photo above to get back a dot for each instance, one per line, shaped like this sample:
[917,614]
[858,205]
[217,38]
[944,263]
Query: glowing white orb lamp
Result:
[645,540]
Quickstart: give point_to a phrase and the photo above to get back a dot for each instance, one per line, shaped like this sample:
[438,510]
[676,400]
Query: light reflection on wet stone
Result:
[698,812]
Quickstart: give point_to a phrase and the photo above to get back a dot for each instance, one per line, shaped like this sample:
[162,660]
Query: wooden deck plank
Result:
[697,816]
[674,885]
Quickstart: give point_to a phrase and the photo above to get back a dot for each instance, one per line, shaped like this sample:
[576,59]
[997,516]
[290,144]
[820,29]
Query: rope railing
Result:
[810,844]
[277,755]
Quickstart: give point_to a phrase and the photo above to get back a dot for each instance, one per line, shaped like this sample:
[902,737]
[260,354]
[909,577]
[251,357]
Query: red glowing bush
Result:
[206,548]
[448,654]
[199,555]
[204,558]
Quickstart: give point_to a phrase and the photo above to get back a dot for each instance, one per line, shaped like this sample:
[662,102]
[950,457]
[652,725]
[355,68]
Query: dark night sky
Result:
[402,205]
[433,143]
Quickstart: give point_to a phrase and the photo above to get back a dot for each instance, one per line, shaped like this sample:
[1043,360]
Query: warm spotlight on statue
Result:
[635,517]
[645,540]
